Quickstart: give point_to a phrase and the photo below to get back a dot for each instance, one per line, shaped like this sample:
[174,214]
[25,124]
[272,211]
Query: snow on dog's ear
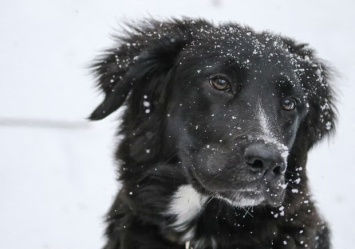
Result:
[144,54]
[315,78]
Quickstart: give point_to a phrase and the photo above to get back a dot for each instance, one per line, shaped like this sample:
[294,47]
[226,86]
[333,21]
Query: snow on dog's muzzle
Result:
[268,163]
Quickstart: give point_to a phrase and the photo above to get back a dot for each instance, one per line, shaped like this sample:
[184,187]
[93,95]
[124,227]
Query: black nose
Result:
[262,158]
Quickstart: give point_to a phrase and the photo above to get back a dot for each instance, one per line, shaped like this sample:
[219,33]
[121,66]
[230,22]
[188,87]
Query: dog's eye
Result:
[220,83]
[289,104]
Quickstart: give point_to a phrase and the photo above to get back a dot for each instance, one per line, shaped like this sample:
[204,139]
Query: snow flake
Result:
[284,186]
[328,125]
[146,103]
[297,181]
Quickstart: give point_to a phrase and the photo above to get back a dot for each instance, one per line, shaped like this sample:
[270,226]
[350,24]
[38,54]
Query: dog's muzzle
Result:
[268,164]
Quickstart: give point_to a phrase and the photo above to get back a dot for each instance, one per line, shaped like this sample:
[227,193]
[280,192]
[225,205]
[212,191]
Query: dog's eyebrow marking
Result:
[264,123]
[268,136]
[185,204]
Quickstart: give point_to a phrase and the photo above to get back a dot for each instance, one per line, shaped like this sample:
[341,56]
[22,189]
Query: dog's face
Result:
[230,104]
[235,114]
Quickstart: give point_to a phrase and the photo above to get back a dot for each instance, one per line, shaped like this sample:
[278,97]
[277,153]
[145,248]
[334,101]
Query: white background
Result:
[57,176]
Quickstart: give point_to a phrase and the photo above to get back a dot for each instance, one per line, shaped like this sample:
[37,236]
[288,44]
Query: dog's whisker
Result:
[247,212]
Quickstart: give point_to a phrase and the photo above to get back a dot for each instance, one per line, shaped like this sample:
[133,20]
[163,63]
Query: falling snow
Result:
[76,151]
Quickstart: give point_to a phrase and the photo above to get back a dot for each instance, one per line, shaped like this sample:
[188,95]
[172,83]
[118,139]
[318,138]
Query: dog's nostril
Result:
[279,169]
[256,165]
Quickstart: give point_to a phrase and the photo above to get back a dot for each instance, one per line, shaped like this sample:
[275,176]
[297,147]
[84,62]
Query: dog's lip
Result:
[275,199]
[244,191]
[242,198]
[248,193]
[272,198]
[267,198]
[199,185]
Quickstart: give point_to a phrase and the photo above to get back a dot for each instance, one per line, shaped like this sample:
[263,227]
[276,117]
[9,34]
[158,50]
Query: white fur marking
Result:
[187,245]
[186,204]
[268,136]
[264,123]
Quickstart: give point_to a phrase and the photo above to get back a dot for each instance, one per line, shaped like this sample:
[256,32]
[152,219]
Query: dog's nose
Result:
[265,159]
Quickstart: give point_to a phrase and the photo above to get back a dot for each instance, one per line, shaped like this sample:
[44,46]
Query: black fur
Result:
[179,129]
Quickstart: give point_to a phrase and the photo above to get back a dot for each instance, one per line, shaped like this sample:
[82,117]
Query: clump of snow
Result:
[146,104]
[328,125]
[297,181]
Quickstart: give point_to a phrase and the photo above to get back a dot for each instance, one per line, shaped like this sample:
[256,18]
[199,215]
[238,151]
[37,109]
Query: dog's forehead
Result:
[234,45]
[237,42]
[262,54]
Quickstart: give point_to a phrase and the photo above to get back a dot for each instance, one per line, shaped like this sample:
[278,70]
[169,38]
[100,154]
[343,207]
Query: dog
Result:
[217,124]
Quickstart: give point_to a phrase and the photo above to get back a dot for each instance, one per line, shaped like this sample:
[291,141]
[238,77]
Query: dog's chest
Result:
[185,207]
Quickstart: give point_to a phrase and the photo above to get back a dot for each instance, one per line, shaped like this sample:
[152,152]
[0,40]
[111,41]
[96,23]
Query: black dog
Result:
[217,126]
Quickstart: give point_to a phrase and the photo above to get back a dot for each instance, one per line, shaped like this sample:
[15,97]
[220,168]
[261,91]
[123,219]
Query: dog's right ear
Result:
[316,79]
[144,53]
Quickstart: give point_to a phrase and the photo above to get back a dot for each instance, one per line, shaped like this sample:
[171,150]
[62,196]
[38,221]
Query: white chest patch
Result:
[185,204]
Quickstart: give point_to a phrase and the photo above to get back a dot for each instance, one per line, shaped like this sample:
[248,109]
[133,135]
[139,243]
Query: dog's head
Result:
[232,105]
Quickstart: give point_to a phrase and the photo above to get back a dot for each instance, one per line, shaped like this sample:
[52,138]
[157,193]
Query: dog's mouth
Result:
[260,193]
[260,196]
[242,198]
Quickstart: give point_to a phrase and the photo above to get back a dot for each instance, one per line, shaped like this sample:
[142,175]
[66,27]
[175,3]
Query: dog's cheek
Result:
[212,162]
[217,168]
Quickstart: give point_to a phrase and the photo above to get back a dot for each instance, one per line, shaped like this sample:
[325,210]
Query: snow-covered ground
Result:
[56,170]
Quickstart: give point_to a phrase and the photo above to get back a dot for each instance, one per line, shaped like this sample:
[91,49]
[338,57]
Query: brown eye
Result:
[289,104]
[220,83]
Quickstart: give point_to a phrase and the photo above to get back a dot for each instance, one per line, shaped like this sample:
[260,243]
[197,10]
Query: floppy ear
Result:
[321,117]
[316,81]
[146,53]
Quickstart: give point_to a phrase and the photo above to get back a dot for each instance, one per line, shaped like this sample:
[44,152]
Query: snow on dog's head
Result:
[234,107]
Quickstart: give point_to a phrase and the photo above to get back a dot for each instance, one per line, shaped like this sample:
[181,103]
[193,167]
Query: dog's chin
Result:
[250,198]
[242,198]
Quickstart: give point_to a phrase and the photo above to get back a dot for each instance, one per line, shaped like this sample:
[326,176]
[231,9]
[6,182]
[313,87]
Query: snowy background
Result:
[57,176]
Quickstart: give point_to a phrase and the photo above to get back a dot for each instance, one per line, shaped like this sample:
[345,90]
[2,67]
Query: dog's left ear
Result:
[316,79]
[145,55]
